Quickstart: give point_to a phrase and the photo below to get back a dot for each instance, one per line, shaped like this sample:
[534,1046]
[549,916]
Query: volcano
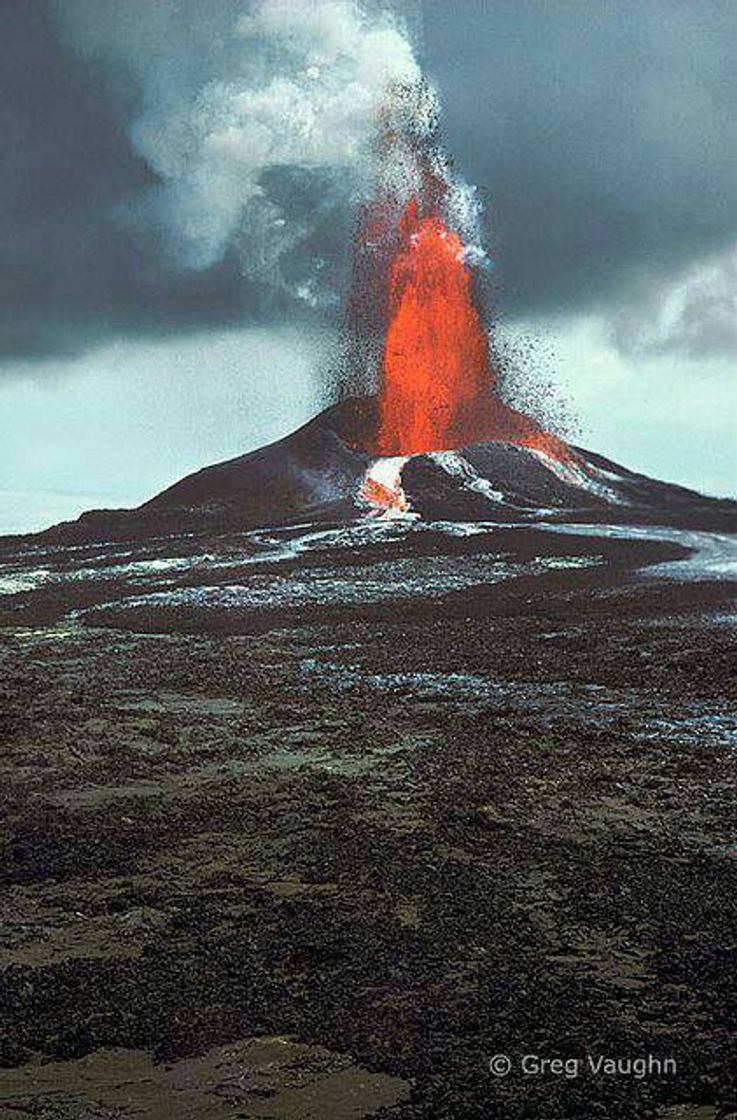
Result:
[337,766]
[320,472]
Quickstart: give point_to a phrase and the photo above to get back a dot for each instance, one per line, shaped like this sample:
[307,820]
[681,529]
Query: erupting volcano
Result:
[421,432]
[338,766]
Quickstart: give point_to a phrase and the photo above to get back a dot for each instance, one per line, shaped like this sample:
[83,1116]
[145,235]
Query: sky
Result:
[178,189]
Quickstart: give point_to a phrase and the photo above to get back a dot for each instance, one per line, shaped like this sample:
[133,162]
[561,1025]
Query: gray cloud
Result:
[692,314]
[604,135]
[601,134]
[83,250]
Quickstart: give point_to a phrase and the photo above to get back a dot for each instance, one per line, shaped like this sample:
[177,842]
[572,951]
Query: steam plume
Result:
[257,123]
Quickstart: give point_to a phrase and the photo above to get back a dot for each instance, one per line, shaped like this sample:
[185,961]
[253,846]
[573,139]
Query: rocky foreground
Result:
[312,822]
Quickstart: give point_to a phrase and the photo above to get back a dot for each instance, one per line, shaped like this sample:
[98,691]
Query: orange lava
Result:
[382,487]
[382,497]
[437,383]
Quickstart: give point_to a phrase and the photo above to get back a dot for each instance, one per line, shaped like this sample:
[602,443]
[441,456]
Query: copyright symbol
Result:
[500,1065]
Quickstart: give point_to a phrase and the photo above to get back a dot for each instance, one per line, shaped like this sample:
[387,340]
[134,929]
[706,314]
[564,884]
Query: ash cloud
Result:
[199,161]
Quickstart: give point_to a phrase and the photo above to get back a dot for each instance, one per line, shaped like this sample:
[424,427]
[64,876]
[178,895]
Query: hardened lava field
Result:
[312,821]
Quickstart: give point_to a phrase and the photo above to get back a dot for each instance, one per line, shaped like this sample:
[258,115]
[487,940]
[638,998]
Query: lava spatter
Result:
[438,386]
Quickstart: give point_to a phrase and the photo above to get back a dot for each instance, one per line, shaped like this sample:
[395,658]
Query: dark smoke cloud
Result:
[601,135]
[84,251]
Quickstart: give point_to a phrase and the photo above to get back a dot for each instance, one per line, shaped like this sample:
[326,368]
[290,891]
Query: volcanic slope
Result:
[317,473]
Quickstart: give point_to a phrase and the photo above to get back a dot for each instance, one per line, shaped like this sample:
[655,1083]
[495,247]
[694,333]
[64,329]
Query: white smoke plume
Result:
[241,97]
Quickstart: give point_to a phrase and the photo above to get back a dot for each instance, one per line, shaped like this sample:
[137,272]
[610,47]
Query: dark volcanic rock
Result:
[313,469]
[317,471]
[305,819]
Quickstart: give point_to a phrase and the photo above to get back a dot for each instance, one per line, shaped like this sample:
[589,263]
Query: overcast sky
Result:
[172,257]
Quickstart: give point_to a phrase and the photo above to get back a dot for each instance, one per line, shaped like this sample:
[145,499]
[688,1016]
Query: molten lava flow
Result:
[438,386]
[381,489]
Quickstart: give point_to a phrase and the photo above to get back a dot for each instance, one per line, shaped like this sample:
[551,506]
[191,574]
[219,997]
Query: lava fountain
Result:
[437,385]
[438,388]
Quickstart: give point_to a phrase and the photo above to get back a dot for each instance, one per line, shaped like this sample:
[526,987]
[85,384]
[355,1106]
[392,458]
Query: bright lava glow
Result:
[438,387]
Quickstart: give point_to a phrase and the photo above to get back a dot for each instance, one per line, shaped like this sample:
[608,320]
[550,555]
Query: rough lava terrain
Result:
[313,803]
